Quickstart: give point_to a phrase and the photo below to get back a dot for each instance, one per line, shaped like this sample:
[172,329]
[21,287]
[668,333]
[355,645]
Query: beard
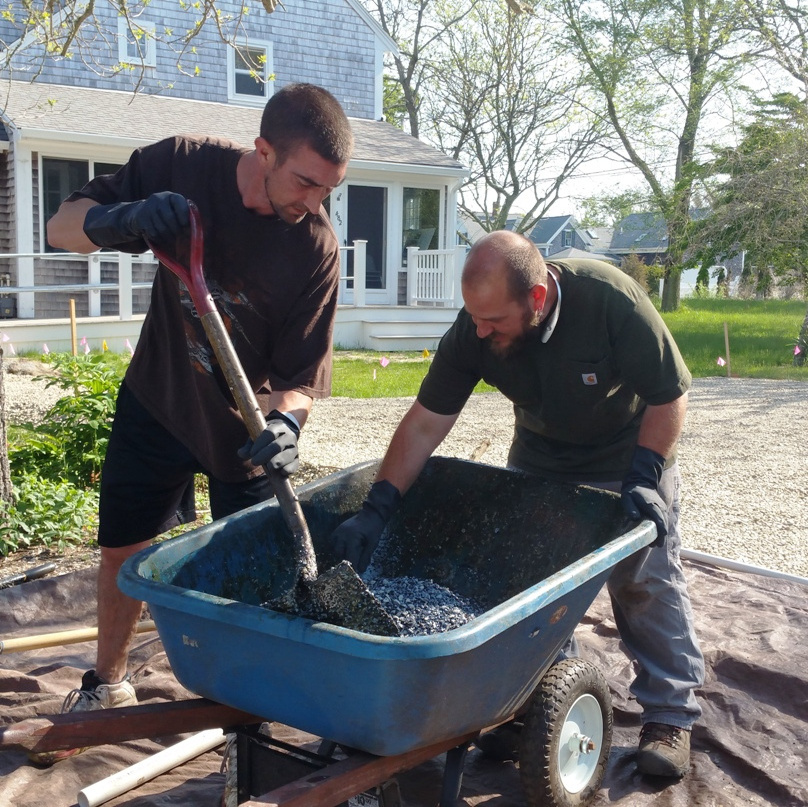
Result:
[513,345]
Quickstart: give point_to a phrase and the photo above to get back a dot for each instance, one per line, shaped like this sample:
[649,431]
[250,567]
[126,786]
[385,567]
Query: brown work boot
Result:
[94,694]
[664,750]
[502,742]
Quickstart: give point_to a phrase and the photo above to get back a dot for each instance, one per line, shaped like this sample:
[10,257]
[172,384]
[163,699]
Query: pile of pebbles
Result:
[420,607]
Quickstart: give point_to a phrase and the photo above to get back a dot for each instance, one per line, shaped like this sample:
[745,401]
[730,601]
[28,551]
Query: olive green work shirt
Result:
[579,392]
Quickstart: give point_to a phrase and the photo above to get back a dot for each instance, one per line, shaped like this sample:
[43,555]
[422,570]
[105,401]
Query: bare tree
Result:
[506,104]
[418,27]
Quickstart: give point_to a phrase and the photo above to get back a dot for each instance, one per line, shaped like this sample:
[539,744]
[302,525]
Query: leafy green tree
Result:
[607,209]
[654,66]
[760,201]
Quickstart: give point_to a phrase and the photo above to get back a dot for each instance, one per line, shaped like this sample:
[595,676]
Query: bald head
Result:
[505,257]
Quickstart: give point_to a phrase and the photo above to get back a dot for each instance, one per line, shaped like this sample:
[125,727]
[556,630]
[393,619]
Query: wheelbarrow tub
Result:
[533,553]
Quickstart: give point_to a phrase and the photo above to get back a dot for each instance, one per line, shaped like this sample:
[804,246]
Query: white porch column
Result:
[24,203]
[459,260]
[359,273]
[412,275]
[94,277]
[124,285]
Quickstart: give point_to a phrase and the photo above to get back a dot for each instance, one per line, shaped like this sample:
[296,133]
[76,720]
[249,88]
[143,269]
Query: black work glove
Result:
[276,446]
[640,491]
[355,539]
[128,226]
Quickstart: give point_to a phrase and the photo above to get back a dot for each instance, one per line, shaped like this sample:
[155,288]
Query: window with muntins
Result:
[250,78]
[136,42]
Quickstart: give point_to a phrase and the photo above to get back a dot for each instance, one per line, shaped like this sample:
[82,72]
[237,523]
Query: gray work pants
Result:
[652,610]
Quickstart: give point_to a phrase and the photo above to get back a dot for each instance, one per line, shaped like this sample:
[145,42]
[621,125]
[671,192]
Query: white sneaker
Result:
[93,695]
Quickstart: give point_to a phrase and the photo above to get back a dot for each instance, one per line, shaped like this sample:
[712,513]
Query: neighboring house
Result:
[641,234]
[72,123]
[553,234]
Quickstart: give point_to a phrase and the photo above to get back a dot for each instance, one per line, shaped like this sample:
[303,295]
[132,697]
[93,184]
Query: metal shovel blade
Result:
[354,607]
[340,597]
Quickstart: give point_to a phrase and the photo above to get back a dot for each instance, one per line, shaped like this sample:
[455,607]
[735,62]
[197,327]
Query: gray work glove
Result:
[356,539]
[129,226]
[276,446]
[640,491]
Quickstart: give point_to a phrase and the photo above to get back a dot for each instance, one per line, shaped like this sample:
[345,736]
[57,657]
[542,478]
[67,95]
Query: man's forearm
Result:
[416,438]
[662,426]
[66,227]
[291,402]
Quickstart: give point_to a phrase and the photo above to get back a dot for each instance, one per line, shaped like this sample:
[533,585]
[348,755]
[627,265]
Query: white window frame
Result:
[269,81]
[148,54]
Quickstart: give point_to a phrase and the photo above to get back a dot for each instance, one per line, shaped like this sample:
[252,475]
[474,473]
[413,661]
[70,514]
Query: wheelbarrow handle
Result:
[194,280]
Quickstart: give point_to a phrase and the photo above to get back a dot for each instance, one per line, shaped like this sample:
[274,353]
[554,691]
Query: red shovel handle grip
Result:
[194,277]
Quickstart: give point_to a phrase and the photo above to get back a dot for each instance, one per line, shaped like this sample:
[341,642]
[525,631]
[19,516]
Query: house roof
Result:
[547,228]
[61,112]
[640,232]
[572,252]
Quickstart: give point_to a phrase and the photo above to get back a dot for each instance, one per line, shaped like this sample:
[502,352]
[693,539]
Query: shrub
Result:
[71,442]
[46,512]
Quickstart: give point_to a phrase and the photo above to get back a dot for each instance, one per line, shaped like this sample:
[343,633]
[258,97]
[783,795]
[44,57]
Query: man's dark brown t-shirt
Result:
[274,285]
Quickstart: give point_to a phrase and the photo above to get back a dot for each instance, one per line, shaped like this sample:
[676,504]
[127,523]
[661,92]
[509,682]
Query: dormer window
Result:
[250,77]
[566,238]
[136,42]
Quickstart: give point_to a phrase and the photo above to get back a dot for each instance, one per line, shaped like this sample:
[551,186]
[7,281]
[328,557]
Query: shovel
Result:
[339,595]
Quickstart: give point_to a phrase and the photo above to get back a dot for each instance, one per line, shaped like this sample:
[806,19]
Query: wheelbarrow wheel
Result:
[567,735]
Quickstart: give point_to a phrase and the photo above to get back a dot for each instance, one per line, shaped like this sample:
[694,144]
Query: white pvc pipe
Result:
[146,769]
[726,563]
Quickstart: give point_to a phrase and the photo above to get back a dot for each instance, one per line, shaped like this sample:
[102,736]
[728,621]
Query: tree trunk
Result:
[802,344]
[6,490]
[671,286]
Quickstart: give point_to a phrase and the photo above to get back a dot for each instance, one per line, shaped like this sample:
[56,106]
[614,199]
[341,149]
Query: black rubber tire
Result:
[548,710]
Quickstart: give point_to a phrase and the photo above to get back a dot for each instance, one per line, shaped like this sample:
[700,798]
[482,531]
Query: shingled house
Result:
[72,123]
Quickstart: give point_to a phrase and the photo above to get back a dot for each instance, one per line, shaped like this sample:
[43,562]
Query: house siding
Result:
[342,44]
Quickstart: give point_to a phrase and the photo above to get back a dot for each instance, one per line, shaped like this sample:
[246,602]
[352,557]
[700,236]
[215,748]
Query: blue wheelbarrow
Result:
[533,553]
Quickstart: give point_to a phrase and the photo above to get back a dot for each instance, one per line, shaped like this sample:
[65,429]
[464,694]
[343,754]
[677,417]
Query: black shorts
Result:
[147,482]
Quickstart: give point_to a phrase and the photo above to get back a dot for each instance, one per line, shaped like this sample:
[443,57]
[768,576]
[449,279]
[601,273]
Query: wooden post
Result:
[73,345]
[726,347]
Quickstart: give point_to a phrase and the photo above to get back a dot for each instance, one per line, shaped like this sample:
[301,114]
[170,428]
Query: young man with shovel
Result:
[600,392]
[272,266]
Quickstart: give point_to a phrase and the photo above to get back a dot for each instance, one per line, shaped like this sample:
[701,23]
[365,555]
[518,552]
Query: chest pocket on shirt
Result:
[587,381]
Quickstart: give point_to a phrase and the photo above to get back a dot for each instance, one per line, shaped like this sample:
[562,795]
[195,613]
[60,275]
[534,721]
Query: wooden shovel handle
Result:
[60,638]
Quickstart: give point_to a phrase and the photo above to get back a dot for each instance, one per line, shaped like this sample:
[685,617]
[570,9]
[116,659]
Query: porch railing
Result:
[432,276]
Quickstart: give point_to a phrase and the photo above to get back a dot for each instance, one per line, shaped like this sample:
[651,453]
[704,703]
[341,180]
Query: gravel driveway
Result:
[743,455]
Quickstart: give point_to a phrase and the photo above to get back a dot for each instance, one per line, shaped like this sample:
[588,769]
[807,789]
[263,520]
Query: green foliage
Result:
[71,442]
[46,512]
[55,465]
[608,209]
[761,199]
[634,266]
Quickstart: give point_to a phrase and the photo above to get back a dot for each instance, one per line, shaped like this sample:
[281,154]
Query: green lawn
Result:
[762,334]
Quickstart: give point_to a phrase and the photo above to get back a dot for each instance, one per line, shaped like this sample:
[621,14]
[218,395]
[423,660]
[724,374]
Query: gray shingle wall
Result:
[320,41]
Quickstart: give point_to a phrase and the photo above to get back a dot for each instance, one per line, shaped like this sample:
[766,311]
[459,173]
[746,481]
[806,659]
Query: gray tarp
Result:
[749,748]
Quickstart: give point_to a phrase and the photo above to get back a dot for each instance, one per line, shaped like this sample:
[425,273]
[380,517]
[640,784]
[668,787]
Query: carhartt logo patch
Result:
[590,379]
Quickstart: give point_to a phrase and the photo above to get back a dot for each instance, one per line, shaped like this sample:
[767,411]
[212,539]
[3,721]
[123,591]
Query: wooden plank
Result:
[340,781]
[86,729]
